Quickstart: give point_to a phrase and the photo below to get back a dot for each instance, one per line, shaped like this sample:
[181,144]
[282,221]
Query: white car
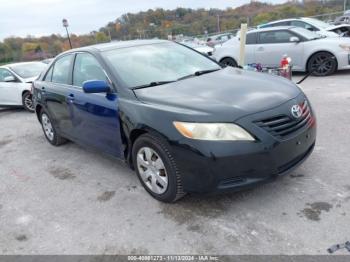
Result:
[16,81]
[307,50]
[314,25]
[204,49]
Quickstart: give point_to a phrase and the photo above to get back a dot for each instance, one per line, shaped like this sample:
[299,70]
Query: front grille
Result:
[283,126]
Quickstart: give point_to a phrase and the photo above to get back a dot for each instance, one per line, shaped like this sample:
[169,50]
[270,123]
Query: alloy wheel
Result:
[321,65]
[28,102]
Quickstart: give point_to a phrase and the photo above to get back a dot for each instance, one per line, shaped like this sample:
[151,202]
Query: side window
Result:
[284,23]
[274,37]
[86,67]
[251,39]
[304,25]
[48,76]
[61,70]
[4,73]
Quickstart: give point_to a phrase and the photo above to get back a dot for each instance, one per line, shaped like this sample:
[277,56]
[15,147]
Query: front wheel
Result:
[228,61]
[156,168]
[322,64]
[27,101]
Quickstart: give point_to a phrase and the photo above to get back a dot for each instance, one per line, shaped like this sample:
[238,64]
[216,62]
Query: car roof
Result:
[291,19]
[117,45]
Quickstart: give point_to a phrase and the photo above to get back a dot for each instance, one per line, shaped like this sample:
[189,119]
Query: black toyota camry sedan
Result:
[179,119]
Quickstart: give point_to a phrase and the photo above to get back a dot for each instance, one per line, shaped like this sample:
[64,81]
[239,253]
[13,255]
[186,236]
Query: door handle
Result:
[260,48]
[70,98]
[43,89]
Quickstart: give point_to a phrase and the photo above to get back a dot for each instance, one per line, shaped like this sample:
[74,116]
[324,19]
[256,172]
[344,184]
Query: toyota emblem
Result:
[296,111]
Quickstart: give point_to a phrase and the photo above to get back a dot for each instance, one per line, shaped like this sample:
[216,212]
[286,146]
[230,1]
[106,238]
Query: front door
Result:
[273,45]
[10,91]
[95,117]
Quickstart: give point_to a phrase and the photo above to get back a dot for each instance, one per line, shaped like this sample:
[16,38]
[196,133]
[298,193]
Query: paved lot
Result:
[74,201]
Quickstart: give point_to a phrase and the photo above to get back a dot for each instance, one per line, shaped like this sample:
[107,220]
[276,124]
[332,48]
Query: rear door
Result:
[95,117]
[10,92]
[54,92]
[273,45]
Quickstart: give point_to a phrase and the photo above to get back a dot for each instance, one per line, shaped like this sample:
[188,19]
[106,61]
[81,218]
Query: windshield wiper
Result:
[158,83]
[198,73]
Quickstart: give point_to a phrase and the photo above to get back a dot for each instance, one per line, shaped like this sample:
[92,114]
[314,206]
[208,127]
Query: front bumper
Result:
[343,59]
[208,166]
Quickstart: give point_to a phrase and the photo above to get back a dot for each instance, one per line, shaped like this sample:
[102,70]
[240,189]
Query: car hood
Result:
[228,93]
[30,79]
[333,27]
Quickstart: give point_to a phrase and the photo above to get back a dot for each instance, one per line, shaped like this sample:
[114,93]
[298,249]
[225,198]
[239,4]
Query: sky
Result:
[44,17]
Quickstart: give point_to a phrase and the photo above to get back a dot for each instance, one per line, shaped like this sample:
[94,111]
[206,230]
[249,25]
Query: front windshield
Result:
[142,65]
[306,33]
[29,70]
[317,23]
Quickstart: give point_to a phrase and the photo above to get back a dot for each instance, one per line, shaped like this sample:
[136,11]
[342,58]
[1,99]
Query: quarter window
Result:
[61,70]
[86,68]
[273,37]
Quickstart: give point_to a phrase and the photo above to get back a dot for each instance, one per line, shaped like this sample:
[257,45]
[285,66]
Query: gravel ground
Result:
[69,200]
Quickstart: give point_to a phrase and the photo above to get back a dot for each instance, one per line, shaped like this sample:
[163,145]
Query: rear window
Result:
[29,70]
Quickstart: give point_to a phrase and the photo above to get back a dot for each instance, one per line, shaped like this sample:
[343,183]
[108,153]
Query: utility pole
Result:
[109,34]
[344,5]
[65,24]
[218,23]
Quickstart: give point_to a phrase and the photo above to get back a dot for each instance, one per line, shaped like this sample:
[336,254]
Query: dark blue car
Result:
[181,120]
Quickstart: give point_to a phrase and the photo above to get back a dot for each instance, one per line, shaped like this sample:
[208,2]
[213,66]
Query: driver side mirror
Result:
[10,79]
[96,86]
[294,39]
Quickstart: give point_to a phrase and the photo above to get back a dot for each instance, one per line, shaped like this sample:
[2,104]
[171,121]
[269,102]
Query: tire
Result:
[27,102]
[163,182]
[317,60]
[50,131]
[228,61]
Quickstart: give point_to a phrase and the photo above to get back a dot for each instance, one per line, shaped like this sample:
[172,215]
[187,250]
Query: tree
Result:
[101,37]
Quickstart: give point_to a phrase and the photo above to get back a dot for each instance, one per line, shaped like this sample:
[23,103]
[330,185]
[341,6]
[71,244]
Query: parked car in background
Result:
[197,45]
[184,123]
[307,50]
[312,24]
[47,61]
[16,82]
[345,19]
[218,39]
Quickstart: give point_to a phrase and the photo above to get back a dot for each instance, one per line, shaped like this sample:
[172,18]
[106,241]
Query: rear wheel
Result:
[322,64]
[49,130]
[156,168]
[228,61]
[27,101]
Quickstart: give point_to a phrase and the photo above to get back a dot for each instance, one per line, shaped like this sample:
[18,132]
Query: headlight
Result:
[213,131]
[345,47]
